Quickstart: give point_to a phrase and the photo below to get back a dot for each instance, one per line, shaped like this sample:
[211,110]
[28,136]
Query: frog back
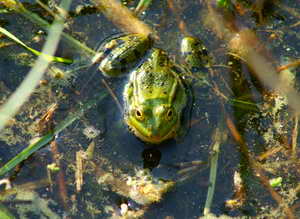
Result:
[158,79]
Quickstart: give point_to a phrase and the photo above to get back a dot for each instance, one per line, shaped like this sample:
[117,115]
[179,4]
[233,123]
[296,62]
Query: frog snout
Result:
[156,129]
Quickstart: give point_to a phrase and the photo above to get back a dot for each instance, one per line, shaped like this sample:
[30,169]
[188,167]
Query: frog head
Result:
[153,121]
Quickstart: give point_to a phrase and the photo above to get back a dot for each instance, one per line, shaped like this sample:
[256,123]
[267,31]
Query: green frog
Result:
[155,95]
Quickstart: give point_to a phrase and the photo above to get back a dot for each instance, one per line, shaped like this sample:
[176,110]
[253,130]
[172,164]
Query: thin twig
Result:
[295,24]
[111,92]
[293,64]
[294,137]
[122,17]
[259,173]
[269,153]
[60,178]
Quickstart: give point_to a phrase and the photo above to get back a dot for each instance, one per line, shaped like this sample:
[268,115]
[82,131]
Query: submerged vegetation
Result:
[65,151]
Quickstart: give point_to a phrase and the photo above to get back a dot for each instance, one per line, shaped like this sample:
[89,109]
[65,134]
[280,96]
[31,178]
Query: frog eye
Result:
[139,114]
[170,114]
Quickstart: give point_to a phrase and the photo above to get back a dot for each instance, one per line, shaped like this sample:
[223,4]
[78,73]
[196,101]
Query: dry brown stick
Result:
[122,17]
[295,24]
[294,137]
[289,65]
[80,157]
[269,153]
[259,173]
[60,178]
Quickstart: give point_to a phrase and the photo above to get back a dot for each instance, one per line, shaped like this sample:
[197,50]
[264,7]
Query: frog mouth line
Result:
[152,138]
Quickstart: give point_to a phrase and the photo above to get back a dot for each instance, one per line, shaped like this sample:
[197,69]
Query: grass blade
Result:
[49,58]
[218,137]
[48,137]
[23,92]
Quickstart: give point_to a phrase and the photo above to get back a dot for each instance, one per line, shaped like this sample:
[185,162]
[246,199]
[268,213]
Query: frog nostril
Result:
[138,114]
[169,114]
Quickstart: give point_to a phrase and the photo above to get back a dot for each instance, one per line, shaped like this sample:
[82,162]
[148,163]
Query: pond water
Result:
[260,146]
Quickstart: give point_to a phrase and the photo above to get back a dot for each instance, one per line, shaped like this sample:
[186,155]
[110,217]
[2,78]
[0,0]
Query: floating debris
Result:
[239,193]
[142,188]
[91,132]
[80,157]
[6,182]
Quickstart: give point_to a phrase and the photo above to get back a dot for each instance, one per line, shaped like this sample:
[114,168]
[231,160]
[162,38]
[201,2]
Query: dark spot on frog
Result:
[187,53]
[123,62]
[130,129]
[123,69]
[107,51]
[133,37]
[123,65]
[119,41]
[197,44]
[110,56]
[204,51]
[161,64]
[137,53]
[176,70]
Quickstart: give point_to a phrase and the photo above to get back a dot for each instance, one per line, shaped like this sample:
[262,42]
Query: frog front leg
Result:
[120,54]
